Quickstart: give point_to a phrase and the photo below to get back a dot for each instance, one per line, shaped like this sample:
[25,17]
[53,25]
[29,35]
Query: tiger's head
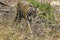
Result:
[32,12]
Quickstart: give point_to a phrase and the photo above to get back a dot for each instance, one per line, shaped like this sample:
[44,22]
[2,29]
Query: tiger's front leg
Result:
[29,19]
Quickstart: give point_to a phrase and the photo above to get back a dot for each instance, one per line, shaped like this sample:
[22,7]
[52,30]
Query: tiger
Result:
[25,10]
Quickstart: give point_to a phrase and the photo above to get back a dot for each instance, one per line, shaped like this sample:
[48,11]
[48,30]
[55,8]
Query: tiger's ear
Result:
[31,5]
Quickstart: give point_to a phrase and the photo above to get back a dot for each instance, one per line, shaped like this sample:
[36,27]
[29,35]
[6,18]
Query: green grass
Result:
[46,9]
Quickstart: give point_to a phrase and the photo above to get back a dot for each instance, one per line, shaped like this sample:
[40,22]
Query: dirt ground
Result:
[38,30]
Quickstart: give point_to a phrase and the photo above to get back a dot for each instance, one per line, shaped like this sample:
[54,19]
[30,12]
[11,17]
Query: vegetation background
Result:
[46,26]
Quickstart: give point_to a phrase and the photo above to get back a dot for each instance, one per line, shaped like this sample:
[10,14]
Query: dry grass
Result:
[43,27]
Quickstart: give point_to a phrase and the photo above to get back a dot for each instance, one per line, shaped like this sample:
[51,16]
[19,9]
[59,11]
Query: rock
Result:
[55,3]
